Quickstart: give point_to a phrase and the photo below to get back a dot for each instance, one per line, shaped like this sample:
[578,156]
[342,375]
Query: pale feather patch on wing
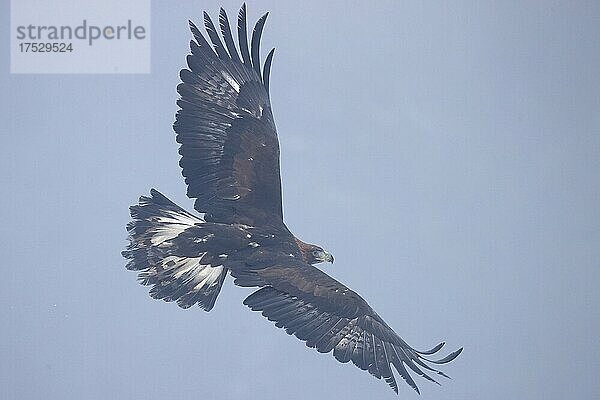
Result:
[231,81]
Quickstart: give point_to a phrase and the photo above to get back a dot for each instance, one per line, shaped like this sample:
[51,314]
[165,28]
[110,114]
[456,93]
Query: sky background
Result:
[447,155]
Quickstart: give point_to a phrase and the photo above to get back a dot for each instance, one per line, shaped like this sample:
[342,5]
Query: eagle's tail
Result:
[154,251]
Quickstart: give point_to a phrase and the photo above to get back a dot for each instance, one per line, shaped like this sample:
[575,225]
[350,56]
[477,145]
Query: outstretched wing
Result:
[229,147]
[328,316]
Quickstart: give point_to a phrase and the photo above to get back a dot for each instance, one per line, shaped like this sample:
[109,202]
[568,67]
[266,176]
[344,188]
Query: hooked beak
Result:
[323,256]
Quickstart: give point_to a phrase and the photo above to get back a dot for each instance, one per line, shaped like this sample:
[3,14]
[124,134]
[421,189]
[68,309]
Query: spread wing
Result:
[229,147]
[328,316]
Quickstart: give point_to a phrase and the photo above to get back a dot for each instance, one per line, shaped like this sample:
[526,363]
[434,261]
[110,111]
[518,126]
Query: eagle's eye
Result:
[316,253]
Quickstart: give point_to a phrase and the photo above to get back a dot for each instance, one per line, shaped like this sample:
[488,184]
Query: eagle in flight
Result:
[230,160]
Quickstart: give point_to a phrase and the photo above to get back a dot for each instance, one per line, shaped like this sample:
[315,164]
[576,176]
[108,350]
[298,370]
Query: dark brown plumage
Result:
[230,161]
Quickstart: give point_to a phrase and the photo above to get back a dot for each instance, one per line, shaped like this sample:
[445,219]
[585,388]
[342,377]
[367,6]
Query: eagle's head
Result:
[312,253]
[318,255]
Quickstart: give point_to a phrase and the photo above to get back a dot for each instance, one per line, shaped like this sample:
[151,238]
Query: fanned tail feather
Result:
[152,251]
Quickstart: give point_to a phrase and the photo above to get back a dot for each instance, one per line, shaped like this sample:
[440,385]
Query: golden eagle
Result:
[230,160]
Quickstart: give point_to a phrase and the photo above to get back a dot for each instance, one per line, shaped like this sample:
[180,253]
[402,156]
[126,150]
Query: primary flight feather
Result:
[230,160]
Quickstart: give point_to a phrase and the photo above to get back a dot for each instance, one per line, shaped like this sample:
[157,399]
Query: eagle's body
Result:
[230,161]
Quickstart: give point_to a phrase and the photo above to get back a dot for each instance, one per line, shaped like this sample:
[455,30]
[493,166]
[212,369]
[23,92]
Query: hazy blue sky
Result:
[448,156]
